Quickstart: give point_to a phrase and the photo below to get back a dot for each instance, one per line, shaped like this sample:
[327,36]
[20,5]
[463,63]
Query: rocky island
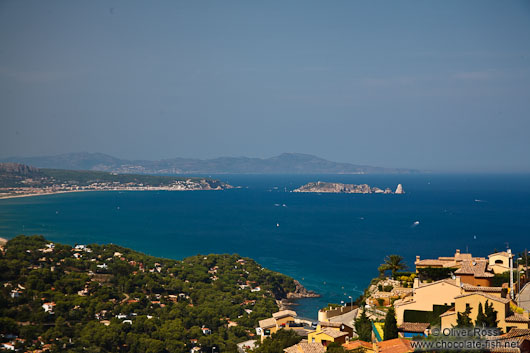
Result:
[340,188]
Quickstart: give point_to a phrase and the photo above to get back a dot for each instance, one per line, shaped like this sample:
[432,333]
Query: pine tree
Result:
[491,315]
[463,319]
[390,330]
[363,326]
[481,318]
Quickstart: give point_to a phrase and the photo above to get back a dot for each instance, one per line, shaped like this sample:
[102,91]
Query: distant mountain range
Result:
[286,163]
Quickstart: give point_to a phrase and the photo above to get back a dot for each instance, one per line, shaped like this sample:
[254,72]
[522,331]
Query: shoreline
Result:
[72,191]
[46,193]
[3,241]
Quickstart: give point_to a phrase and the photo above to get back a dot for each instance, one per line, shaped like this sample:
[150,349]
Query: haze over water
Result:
[332,243]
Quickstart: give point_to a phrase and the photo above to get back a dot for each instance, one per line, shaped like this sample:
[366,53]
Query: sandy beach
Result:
[40,194]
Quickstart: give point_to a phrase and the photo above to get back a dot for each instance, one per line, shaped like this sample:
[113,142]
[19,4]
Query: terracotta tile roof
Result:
[332,333]
[430,262]
[418,327]
[501,253]
[517,332]
[515,335]
[284,313]
[358,344]
[333,324]
[471,288]
[463,256]
[306,347]
[396,345]
[487,296]
[446,280]
[517,318]
[330,324]
[505,350]
[476,268]
[267,323]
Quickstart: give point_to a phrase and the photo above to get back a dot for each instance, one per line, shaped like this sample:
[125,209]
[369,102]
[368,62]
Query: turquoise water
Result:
[332,243]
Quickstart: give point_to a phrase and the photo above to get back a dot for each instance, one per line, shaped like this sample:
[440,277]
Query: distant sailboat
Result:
[277,224]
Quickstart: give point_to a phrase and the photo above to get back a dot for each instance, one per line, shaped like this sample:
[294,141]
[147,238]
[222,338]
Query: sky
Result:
[437,85]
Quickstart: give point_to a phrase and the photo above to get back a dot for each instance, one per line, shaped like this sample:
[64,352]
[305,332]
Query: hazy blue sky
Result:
[441,85]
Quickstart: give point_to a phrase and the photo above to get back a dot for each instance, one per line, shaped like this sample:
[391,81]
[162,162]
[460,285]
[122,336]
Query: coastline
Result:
[45,193]
[6,197]
[3,241]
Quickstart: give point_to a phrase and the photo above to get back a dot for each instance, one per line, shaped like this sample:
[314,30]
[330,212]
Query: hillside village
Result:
[439,295]
[106,298]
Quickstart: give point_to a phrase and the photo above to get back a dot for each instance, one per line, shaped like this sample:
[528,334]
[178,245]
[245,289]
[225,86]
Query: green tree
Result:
[335,347]
[363,326]
[390,330]
[481,318]
[278,341]
[491,315]
[463,319]
[393,263]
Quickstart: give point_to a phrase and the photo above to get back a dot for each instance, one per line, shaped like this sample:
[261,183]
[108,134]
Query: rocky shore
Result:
[299,293]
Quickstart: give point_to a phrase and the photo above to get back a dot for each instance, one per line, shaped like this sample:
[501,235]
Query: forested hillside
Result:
[106,298]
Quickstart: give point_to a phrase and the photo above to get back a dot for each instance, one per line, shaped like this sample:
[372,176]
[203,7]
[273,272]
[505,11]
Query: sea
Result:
[332,243]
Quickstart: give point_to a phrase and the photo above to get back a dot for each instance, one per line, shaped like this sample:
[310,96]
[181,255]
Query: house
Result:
[284,317]
[327,335]
[339,326]
[506,318]
[499,262]
[48,307]
[278,320]
[426,296]
[396,345]
[411,329]
[445,262]
[475,273]
[305,347]
[359,345]
[206,331]
[8,346]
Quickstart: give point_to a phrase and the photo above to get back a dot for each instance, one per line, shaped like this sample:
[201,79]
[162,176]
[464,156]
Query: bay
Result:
[332,243]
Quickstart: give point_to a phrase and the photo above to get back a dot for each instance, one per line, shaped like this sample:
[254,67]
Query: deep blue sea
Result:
[332,243]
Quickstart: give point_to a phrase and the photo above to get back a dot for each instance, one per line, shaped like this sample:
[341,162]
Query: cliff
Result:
[301,292]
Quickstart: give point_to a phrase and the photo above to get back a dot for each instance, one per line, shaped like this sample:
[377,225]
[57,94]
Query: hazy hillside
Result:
[286,163]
